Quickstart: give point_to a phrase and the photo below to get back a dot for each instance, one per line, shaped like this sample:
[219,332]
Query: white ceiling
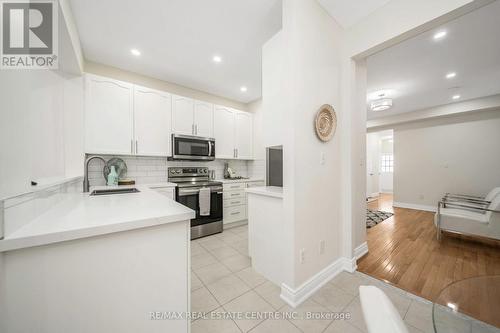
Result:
[178,39]
[349,12]
[415,69]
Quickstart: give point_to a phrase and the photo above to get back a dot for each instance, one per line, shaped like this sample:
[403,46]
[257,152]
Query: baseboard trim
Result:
[361,250]
[414,206]
[295,297]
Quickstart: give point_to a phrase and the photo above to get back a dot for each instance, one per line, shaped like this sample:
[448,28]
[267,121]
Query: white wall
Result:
[301,71]
[458,154]
[41,131]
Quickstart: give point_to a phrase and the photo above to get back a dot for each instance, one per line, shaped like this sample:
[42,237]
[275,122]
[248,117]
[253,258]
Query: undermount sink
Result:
[115,191]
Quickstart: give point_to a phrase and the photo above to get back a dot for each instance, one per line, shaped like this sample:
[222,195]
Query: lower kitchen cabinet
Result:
[235,200]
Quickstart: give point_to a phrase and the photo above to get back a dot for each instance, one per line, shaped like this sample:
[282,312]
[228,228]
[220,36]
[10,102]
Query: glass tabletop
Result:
[469,305]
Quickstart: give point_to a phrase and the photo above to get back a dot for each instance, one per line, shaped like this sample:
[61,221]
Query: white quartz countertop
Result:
[246,180]
[270,191]
[79,215]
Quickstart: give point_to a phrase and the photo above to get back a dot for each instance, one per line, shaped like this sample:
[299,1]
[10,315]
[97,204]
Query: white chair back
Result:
[380,314]
[494,205]
[493,194]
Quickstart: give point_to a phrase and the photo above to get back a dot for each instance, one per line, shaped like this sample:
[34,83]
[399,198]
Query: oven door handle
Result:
[209,148]
[184,192]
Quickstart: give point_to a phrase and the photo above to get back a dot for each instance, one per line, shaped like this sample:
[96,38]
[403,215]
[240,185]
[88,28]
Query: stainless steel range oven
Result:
[192,148]
[189,182]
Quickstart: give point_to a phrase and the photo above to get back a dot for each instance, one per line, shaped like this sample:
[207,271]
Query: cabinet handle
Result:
[196,129]
[192,129]
[137,146]
[235,213]
[131,146]
[236,152]
[234,194]
[234,202]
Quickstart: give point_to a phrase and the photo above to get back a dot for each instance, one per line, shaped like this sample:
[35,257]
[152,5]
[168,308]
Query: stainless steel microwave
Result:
[192,148]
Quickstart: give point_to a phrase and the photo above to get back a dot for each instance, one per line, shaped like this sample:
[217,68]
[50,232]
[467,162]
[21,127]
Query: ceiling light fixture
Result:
[456,96]
[217,59]
[381,104]
[135,52]
[243,89]
[451,75]
[440,34]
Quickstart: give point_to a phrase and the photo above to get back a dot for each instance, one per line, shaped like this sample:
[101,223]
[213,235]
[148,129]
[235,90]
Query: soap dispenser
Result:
[112,177]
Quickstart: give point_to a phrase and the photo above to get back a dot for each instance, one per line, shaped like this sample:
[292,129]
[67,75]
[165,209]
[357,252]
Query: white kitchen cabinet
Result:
[224,132]
[243,135]
[152,120]
[182,115]
[235,199]
[190,117]
[203,119]
[108,116]
[233,132]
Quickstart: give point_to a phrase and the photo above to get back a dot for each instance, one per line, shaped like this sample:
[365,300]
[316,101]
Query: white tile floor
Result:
[223,282]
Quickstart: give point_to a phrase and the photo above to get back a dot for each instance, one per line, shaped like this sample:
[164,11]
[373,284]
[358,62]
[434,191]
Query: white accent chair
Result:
[380,314]
[473,200]
[469,219]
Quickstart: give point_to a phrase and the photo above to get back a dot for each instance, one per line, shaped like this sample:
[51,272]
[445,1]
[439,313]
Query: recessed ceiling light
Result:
[451,75]
[243,89]
[456,96]
[135,52]
[217,59]
[440,34]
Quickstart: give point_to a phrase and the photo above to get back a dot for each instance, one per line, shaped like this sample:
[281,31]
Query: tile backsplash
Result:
[147,170]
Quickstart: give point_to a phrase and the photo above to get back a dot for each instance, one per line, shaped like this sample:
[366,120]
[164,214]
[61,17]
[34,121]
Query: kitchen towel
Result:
[204,201]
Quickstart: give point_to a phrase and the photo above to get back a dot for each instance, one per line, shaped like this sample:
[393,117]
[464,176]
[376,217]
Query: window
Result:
[387,163]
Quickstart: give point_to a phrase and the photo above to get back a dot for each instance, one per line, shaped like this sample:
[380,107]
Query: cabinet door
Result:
[243,135]
[108,116]
[152,119]
[224,132]
[204,119]
[182,115]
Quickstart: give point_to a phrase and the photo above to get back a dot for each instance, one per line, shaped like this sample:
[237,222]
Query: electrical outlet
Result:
[321,247]
[302,255]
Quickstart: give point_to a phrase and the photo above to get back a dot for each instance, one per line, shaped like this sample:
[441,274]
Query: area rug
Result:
[374,217]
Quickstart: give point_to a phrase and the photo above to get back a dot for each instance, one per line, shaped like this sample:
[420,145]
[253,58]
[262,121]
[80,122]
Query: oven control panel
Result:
[187,172]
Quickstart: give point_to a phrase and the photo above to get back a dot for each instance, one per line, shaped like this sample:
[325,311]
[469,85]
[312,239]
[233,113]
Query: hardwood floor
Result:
[403,251]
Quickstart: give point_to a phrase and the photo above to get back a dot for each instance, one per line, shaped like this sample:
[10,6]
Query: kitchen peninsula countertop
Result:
[80,215]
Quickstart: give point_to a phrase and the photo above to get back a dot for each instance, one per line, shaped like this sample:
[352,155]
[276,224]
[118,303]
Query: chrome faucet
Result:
[86,183]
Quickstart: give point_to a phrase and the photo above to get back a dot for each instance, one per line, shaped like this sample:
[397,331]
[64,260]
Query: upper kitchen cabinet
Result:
[152,120]
[190,117]
[108,116]
[203,119]
[243,135]
[224,132]
[233,133]
[182,115]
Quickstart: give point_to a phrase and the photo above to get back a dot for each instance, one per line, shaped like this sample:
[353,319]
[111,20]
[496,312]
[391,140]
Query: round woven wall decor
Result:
[326,123]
